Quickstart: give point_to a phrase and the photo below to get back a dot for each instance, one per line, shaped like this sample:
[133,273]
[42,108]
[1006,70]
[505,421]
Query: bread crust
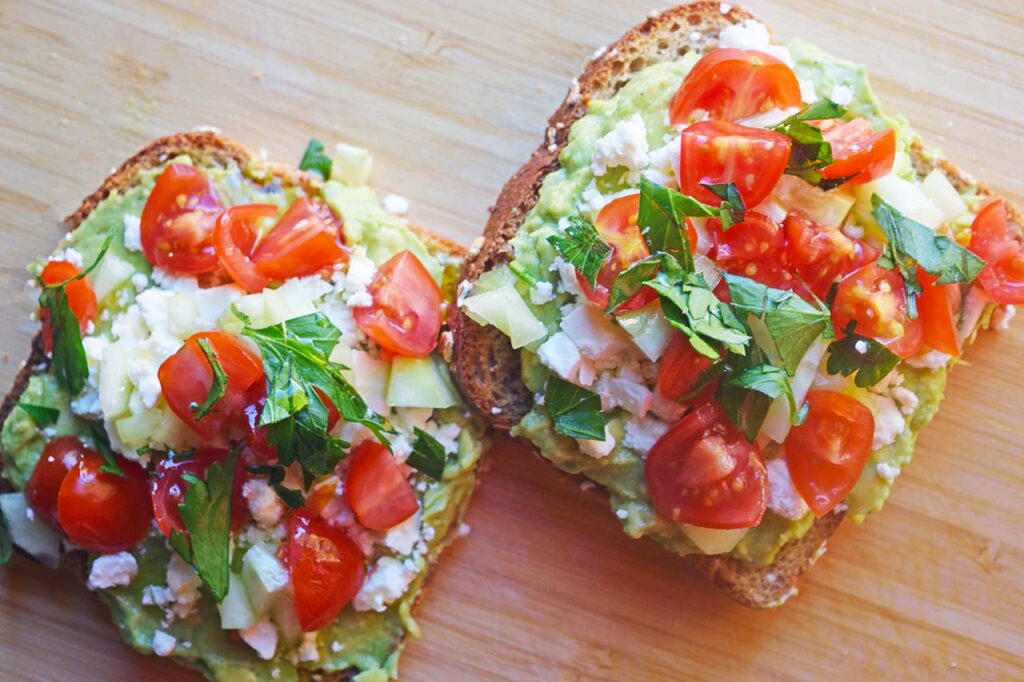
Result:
[488,370]
[206,148]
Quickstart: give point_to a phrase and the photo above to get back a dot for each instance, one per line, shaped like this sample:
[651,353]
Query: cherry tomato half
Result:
[81,297]
[376,487]
[858,150]
[306,240]
[826,454]
[875,298]
[234,238]
[938,306]
[822,256]
[405,316]
[59,456]
[1003,275]
[168,486]
[705,473]
[731,84]
[104,512]
[680,368]
[177,223]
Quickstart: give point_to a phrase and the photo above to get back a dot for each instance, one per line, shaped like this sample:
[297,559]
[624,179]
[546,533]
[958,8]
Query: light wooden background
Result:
[452,97]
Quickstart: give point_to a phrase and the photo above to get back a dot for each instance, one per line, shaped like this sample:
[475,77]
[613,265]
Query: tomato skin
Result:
[59,456]
[186,377]
[714,152]
[234,238]
[858,150]
[827,453]
[731,84]
[326,568]
[405,316]
[306,240]
[177,223]
[376,487]
[821,255]
[1003,275]
[680,368]
[81,297]
[703,472]
[103,512]
[937,305]
[875,298]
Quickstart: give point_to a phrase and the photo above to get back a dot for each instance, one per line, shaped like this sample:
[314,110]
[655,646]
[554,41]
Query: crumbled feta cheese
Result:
[594,333]
[401,448]
[157,595]
[308,651]
[395,204]
[807,92]
[768,118]
[262,637]
[139,281]
[132,232]
[403,537]
[560,355]
[541,293]
[388,581]
[664,163]
[163,643]
[1001,317]
[642,433]
[889,421]
[71,256]
[887,471]
[753,35]
[184,585]
[841,94]
[625,146]
[783,499]
[264,504]
[598,448]
[626,390]
[112,570]
[932,359]
[906,399]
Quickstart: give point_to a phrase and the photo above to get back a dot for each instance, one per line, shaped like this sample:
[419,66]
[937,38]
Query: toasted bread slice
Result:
[488,369]
[209,149]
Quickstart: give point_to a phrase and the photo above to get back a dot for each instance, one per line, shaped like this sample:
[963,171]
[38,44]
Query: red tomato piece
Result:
[680,368]
[826,454]
[731,84]
[168,486]
[306,240]
[103,512]
[938,305]
[821,255]
[1003,275]
[405,316]
[705,473]
[234,239]
[186,378]
[376,487]
[59,456]
[755,248]
[715,152]
[81,297]
[326,568]
[875,298]
[858,150]
[177,223]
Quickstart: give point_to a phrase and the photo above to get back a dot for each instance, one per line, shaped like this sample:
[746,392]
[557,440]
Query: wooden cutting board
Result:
[452,97]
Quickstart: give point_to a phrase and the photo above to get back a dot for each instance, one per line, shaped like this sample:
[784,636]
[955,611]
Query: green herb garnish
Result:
[6,546]
[662,220]
[582,247]
[769,380]
[217,386]
[43,416]
[575,411]
[810,152]
[428,455]
[275,477]
[868,357]
[692,308]
[732,210]
[314,159]
[101,442]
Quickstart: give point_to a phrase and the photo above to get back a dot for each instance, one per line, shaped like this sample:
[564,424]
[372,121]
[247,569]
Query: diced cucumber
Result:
[113,379]
[183,316]
[650,330]
[494,279]
[135,430]
[264,577]
[236,612]
[351,165]
[828,209]
[371,379]
[32,535]
[905,196]
[110,274]
[506,310]
[937,187]
[713,540]
[420,382]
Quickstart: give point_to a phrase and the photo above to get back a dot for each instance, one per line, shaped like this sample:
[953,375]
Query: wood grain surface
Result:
[452,97]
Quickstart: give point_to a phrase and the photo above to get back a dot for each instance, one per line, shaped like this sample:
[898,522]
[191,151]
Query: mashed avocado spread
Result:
[565,193]
[366,642]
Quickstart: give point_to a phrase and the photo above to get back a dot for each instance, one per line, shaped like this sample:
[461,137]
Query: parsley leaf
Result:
[206,515]
[693,309]
[791,323]
[732,209]
[583,248]
[662,217]
[299,377]
[768,380]
[180,544]
[428,455]
[810,152]
[41,415]
[6,546]
[101,442]
[217,386]
[575,410]
[870,359]
[315,160]
[637,275]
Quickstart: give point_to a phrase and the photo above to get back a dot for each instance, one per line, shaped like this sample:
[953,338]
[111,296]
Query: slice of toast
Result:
[488,369]
[208,149]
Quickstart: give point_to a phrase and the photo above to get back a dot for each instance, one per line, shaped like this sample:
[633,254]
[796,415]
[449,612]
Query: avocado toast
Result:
[306,556]
[598,393]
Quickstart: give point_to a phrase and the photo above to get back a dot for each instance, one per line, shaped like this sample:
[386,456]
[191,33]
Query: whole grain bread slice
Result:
[208,149]
[488,369]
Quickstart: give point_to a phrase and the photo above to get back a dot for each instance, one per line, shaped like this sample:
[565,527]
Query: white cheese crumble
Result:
[1002,316]
[887,471]
[70,255]
[262,637]
[403,537]
[625,146]
[932,359]
[598,448]
[807,92]
[753,35]
[388,581]
[783,499]
[395,204]
[163,643]
[642,433]
[594,333]
[560,355]
[664,163]
[264,504]
[841,94]
[113,570]
[541,293]
[889,421]
[184,584]
[132,232]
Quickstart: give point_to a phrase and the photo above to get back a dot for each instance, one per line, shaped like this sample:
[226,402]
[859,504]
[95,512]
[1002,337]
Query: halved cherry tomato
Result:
[756,248]
[104,512]
[822,256]
[186,378]
[326,568]
[875,298]
[168,487]
[858,150]
[59,456]
[81,297]
[376,487]
[731,84]
[826,454]
[177,222]
[306,240]
[705,473]
[1003,275]
[234,238]
[321,495]
[938,305]
[715,152]
[617,225]
[405,316]
[680,368]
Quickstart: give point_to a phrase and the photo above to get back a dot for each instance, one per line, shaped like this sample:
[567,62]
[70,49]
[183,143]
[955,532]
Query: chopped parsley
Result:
[428,455]
[576,412]
[867,357]
[43,416]
[101,442]
[810,152]
[732,210]
[6,546]
[583,248]
[218,385]
[662,219]
[314,159]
